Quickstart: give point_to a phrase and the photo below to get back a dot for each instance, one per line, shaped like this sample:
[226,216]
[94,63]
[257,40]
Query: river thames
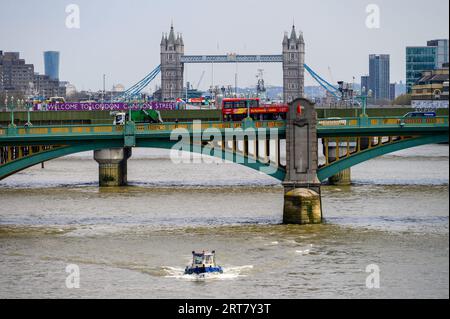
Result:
[134,242]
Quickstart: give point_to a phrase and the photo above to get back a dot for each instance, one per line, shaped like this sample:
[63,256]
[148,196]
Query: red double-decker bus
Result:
[237,109]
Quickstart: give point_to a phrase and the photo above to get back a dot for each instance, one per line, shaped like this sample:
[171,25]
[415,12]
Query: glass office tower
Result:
[51,62]
[418,60]
[425,58]
[379,76]
[441,53]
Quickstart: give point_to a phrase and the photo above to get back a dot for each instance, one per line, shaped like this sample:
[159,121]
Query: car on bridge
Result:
[419,114]
[139,117]
[416,117]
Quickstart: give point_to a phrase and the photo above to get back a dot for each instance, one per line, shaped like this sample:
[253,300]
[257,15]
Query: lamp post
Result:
[29,107]
[103,92]
[364,120]
[363,97]
[129,112]
[364,104]
[11,110]
[248,108]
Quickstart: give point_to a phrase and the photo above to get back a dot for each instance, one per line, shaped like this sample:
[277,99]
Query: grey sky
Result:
[121,38]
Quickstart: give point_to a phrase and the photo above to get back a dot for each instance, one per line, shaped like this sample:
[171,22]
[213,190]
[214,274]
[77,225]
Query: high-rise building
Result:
[15,74]
[379,76]
[51,62]
[400,88]
[425,58]
[441,53]
[392,91]
[364,84]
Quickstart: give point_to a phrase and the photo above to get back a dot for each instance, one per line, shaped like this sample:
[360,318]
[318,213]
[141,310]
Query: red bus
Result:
[236,109]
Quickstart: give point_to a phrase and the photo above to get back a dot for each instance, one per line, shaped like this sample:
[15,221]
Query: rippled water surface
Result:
[134,242]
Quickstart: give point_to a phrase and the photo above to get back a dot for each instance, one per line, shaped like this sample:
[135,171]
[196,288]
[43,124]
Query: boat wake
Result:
[229,273]
[305,251]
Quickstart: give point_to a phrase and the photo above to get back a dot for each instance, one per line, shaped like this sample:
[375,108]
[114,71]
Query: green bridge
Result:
[286,150]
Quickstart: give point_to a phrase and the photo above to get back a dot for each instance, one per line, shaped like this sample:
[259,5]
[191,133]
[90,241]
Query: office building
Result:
[364,83]
[400,88]
[441,52]
[15,75]
[392,91]
[425,58]
[379,76]
[48,87]
[51,63]
[433,85]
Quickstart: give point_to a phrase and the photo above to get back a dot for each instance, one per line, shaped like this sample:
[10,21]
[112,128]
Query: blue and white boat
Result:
[202,263]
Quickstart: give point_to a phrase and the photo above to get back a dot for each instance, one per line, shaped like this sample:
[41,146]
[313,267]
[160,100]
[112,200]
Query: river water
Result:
[134,242]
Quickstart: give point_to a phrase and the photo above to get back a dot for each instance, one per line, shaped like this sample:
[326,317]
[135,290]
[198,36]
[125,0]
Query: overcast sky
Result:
[121,38]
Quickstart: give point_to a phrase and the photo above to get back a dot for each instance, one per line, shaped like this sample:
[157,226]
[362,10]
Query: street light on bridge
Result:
[363,97]
[11,109]
[29,108]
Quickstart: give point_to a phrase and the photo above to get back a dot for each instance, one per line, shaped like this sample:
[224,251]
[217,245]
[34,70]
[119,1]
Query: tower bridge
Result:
[173,59]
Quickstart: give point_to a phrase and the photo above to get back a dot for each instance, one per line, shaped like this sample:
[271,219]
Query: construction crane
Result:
[200,80]
[260,88]
[331,74]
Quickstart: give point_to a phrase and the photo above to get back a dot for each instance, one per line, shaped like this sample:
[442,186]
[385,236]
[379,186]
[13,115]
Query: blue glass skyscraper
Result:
[51,62]
[379,76]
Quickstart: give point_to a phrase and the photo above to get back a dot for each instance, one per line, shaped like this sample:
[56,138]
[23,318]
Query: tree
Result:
[404,99]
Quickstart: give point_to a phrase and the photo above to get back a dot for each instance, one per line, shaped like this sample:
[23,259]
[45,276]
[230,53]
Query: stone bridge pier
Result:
[112,166]
[302,199]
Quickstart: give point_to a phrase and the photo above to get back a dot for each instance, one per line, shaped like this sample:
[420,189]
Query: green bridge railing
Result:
[330,123]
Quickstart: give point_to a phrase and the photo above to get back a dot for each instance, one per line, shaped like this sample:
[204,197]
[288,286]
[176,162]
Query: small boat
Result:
[202,263]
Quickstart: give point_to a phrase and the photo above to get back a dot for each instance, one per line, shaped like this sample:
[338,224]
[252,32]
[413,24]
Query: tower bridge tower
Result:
[172,49]
[293,66]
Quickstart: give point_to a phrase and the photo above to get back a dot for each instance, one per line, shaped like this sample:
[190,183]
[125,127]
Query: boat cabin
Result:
[205,259]
[202,263]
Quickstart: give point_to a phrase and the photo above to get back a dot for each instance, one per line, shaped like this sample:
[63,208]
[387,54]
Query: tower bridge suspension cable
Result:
[333,90]
[139,86]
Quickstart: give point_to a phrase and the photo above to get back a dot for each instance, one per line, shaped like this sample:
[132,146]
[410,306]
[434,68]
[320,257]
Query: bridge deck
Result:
[379,126]
[360,138]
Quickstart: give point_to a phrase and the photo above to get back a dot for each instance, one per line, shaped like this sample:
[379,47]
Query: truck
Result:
[139,117]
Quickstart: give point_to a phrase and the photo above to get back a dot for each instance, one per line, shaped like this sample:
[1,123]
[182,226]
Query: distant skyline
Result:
[121,38]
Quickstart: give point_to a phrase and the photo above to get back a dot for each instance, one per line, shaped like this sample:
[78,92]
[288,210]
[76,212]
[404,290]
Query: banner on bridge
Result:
[120,106]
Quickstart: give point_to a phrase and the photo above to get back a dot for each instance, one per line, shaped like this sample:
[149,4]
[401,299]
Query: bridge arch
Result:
[323,173]
[365,155]
[21,164]
[247,161]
